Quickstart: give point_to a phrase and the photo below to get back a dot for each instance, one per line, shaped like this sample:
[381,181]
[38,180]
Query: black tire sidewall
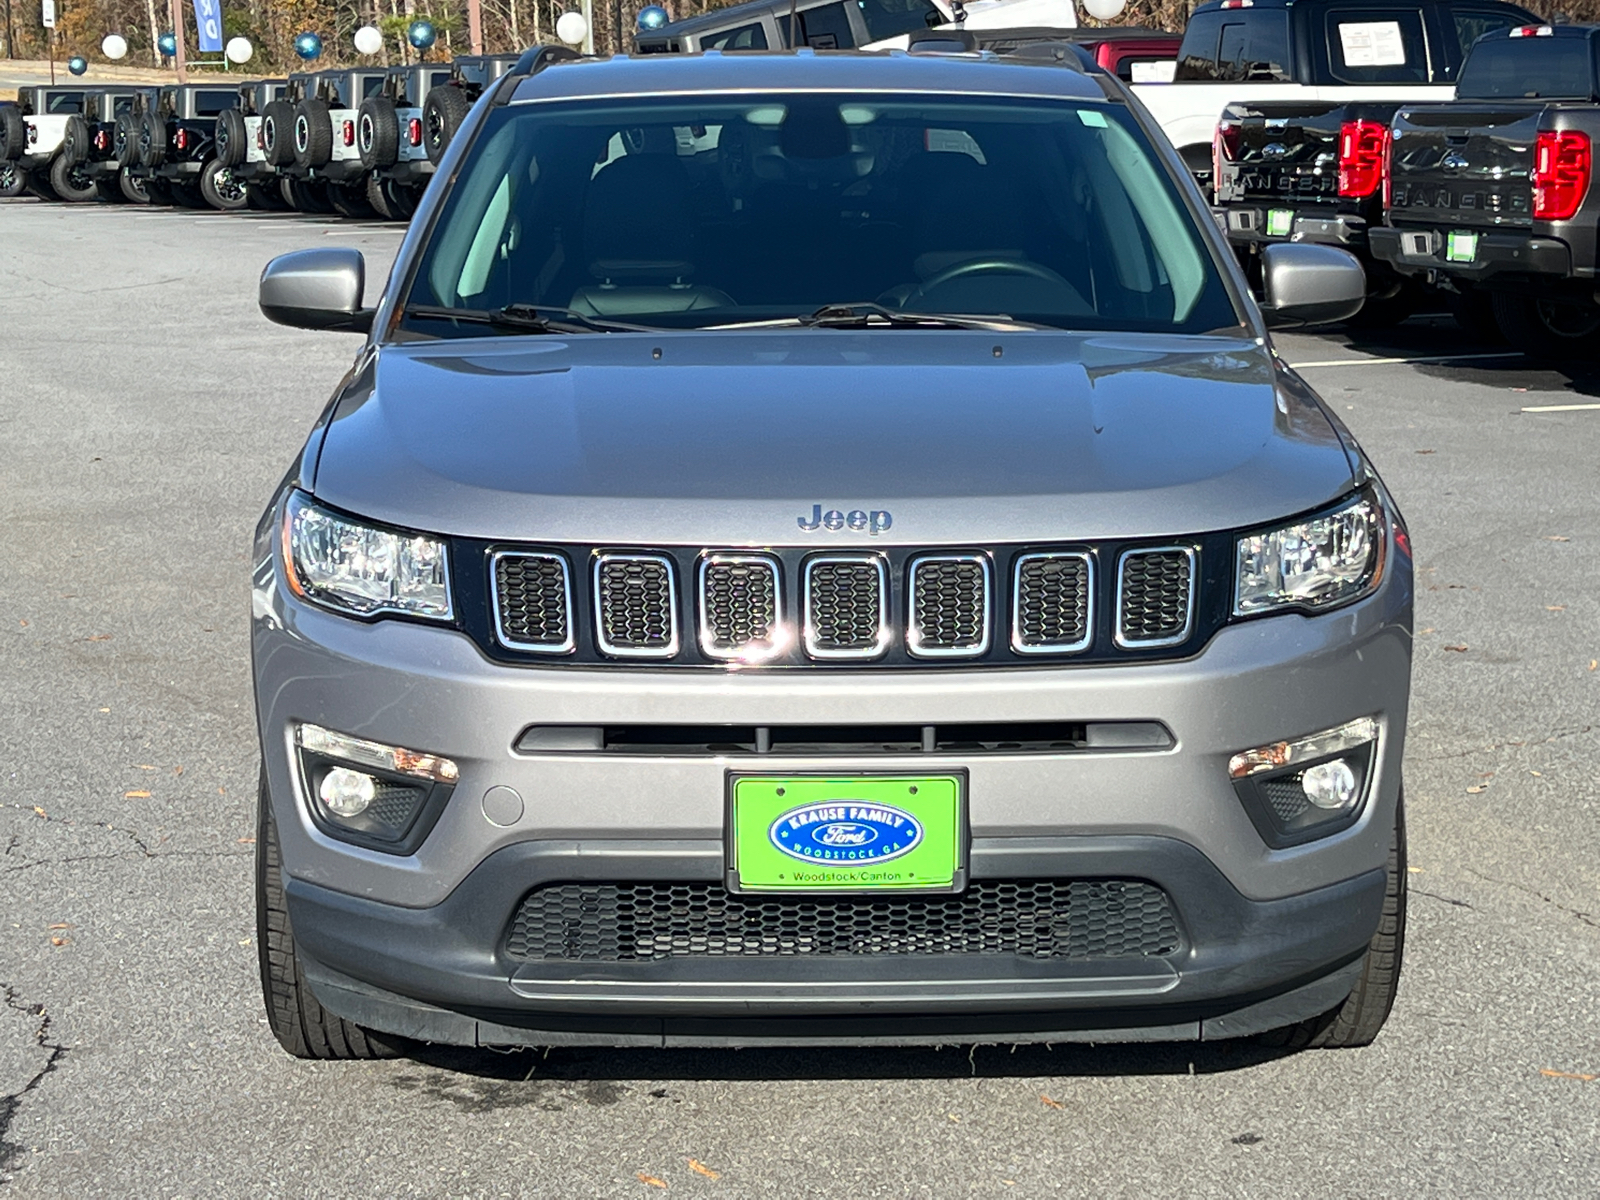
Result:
[318,134]
[383,149]
[62,183]
[442,113]
[213,194]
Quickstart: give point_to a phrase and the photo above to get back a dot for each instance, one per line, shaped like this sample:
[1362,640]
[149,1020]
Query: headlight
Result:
[363,569]
[1313,564]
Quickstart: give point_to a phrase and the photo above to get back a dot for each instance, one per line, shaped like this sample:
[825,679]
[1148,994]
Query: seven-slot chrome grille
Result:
[895,606]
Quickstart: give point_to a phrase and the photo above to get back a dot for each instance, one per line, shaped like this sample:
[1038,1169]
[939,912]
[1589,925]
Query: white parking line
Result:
[1421,358]
[1560,407]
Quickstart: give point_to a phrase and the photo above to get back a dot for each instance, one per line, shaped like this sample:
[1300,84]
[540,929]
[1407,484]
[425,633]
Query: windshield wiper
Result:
[530,318]
[862,314]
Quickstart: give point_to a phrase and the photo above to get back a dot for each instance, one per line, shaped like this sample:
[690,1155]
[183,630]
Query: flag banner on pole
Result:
[208,20]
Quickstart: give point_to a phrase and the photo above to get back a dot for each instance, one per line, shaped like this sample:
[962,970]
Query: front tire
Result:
[13,179]
[1357,1021]
[302,1026]
[133,187]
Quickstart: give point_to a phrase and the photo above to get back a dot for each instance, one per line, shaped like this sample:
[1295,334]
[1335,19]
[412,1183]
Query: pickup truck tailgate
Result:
[1464,166]
[1279,151]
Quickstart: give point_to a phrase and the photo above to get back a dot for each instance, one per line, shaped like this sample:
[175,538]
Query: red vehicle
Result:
[1133,54]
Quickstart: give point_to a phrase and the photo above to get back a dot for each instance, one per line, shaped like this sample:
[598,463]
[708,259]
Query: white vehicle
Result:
[1313,50]
[31,133]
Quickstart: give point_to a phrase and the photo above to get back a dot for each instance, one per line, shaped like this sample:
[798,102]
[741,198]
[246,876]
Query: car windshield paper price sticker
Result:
[852,833]
[1279,222]
[1461,247]
[1372,44]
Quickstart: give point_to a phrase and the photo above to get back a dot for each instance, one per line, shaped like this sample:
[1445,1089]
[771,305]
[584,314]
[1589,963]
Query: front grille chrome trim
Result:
[779,635]
[567,645]
[808,628]
[914,644]
[1090,586]
[1188,619]
[670,650]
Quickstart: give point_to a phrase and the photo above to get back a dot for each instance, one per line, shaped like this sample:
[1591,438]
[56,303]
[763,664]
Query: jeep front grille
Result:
[533,602]
[1019,918]
[846,606]
[949,606]
[1052,603]
[1155,596]
[741,608]
[636,606]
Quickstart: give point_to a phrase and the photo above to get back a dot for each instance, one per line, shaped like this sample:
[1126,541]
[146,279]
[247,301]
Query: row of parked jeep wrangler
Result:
[359,141]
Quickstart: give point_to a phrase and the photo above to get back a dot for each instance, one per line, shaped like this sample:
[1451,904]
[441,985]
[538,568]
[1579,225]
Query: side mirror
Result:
[317,289]
[1305,284]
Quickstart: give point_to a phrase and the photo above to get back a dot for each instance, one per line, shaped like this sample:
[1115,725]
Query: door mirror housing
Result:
[1305,284]
[317,289]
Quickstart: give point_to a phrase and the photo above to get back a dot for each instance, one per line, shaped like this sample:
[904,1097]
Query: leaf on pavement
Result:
[1593,663]
[1473,791]
[177,770]
[1549,1074]
[61,925]
[99,637]
[1424,451]
[699,1168]
[144,766]
[651,1180]
[1556,538]
[136,795]
[247,841]
[1049,1103]
[37,811]
[1458,649]
[59,941]
[1555,608]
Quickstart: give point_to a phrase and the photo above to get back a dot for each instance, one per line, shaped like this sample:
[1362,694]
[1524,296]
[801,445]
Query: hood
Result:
[755,437]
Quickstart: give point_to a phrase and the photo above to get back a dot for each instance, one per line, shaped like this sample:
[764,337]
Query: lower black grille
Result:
[635,598]
[949,605]
[1154,596]
[1052,602]
[1024,918]
[532,600]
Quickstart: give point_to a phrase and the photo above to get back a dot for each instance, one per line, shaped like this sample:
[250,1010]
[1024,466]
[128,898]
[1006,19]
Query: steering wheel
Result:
[982,266]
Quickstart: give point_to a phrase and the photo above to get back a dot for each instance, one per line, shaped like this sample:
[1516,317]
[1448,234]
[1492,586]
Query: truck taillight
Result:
[1363,147]
[414,131]
[349,133]
[182,139]
[1561,168]
[102,140]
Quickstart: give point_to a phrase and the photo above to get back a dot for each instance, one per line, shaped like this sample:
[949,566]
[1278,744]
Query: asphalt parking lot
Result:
[146,412]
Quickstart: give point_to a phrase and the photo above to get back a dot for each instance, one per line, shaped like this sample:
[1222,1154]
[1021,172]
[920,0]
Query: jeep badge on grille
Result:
[874,522]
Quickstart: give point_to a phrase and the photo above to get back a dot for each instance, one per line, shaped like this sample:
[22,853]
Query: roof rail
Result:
[537,58]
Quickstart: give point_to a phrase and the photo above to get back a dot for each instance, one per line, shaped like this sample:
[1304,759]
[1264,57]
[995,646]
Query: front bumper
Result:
[1499,255]
[417,943]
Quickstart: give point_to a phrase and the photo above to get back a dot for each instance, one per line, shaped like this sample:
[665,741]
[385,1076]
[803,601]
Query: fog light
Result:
[347,793]
[1330,785]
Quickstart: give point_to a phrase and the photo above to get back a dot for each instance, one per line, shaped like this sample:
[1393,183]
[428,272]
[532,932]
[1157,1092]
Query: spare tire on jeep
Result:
[125,141]
[13,132]
[313,133]
[152,140]
[232,138]
[76,140]
[277,133]
[442,113]
[378,132]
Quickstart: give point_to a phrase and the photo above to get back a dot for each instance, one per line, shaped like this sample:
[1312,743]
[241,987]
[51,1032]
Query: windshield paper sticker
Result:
[1372,44]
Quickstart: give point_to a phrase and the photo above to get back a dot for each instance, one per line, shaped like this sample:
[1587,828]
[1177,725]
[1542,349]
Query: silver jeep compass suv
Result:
[818,548]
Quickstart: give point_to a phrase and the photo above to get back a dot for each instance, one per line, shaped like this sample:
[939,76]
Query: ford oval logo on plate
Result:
[852,831]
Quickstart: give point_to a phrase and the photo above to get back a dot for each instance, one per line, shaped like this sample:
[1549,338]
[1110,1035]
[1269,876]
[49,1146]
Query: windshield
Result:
[717,210]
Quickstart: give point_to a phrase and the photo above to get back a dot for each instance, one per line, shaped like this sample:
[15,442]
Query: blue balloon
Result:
[652,17]
[308,46]
[77,64]
[167,44]
[421,34]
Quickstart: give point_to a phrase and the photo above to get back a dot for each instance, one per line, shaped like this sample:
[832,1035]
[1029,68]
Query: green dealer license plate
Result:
[1461,247]
[847,832]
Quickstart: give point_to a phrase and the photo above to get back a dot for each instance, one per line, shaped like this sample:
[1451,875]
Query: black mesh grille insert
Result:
[844,606]
[1155,596]
[531,592]
[950,605]
[634,598]
[1052,601]
[739,603]
[1287,797]
[1027,918]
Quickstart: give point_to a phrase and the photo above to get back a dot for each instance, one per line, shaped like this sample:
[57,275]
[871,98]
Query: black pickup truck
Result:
[1311,168]
[1490,196]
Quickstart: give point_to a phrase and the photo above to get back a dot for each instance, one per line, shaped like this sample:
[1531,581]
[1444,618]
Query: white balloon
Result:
[114,47]
[239,50]
[1104,10]
[571,28]
[368,40]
